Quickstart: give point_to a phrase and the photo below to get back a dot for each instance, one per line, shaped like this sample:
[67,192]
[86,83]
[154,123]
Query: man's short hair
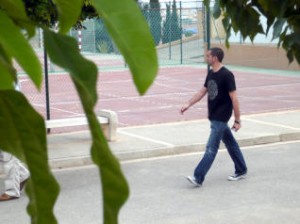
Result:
[217,52]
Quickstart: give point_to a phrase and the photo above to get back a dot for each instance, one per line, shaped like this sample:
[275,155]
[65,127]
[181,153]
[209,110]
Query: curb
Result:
[78,161]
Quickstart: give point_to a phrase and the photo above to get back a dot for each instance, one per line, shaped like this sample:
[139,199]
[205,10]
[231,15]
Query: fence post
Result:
[169,34]
[208,30]
[79,40]
[180,24]
[46,86]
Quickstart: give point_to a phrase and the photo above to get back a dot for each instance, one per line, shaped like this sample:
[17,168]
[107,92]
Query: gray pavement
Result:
[73,149]
[160,194]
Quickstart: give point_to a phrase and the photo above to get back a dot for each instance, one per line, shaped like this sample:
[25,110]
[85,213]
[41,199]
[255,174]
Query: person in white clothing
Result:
[16,175]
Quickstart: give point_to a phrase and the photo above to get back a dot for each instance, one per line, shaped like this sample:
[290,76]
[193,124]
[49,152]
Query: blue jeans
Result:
[220,131]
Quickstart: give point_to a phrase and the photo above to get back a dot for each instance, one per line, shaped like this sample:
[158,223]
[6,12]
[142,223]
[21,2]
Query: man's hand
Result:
[184,108]
[196,98]
[236,126]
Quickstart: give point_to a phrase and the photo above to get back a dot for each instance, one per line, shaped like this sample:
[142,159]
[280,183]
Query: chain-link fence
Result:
[178,29]
[181,31]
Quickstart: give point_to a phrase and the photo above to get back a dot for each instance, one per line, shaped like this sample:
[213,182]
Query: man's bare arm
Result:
[196,98]
[236,110]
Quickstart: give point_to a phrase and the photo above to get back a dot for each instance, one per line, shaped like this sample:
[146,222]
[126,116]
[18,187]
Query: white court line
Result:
[274,112]
[146,138]
[272,124]
[62,110]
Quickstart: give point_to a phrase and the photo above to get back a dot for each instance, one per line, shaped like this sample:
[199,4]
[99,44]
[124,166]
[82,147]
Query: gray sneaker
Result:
[236,176]
[193,181]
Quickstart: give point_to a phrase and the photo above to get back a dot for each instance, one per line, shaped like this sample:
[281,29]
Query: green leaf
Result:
[264,4]
[297,52]
[294,23]
[206,3]
[131,33]
[290,56]
[249,23]
[6,77]
[68,13]
[270,21]
[23,133]
[282,36]
[291,39]
[217,9]
[63,51]
[114,185]
[227,26]
[8,74]
[278,27]
[15,44]
[259,5]
[244,19]
[16,10]
[291,44]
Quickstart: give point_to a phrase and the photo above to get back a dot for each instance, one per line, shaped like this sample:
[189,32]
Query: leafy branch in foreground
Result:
[22,129]
[244,16]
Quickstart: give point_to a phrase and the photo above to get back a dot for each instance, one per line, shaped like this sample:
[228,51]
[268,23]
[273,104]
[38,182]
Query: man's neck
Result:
[216,67]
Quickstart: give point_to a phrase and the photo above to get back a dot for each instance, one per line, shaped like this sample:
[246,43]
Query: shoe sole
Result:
[193,182]
[236,178]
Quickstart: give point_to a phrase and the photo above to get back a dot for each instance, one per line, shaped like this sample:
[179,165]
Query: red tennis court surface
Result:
[258,93]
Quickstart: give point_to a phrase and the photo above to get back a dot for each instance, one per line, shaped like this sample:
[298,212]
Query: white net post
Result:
[79,40]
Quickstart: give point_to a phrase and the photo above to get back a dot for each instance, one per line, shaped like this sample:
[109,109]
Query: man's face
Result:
[209,58]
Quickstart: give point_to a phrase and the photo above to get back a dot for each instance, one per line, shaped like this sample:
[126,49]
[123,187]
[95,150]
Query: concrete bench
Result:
[107,119]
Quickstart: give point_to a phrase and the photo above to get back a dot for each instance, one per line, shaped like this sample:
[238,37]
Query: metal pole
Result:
[180,33]
[169,34]
[46,86]
[79,40]
[208,31]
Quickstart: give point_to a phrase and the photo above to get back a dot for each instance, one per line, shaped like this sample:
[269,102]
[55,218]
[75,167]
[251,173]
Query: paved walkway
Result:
[73,149]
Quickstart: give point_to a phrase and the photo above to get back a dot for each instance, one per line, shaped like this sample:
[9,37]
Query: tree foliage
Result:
[244,16]
[166,37]
[175,27]
[155,20]
[171,29]
[152,13]
[22,129]
[45,13]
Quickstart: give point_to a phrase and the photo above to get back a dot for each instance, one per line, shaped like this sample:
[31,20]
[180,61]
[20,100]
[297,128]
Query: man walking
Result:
[222,100]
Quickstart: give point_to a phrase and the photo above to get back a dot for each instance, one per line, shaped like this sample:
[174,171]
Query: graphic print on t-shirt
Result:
[212,88]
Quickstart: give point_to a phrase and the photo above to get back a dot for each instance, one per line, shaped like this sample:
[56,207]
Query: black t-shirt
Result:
[218,85]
